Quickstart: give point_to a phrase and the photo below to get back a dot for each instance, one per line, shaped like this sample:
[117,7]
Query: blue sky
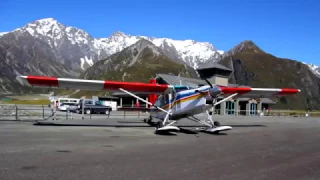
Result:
[285,28]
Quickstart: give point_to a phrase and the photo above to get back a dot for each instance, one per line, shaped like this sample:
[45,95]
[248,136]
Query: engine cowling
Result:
[214,93]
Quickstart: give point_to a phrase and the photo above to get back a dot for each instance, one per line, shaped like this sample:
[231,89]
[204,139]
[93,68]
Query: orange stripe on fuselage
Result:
[184,99]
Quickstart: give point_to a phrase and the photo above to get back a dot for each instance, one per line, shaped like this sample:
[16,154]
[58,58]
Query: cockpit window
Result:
[162,100]
[158,102]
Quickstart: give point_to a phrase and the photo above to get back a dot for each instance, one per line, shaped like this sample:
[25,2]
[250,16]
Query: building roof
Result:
[263,100]
[123,94]
[179,80]
[236,85]
[108,97]
[210,65]
[193,82]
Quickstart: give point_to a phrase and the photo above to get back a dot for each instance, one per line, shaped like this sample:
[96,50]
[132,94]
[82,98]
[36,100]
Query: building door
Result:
[253,109]
[229,107]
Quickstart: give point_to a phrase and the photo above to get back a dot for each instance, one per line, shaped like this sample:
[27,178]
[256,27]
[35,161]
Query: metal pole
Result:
[54,112]
[83,109]
[16,112]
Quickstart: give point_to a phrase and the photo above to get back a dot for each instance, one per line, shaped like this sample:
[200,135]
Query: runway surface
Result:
[256,148]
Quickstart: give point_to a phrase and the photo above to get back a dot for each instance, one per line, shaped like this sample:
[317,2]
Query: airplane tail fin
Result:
[153,97]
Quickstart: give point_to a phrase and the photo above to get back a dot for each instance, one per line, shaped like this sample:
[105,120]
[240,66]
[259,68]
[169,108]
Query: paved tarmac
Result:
[256,148]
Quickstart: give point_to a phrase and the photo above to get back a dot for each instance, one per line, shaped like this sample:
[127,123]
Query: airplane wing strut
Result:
[141,99]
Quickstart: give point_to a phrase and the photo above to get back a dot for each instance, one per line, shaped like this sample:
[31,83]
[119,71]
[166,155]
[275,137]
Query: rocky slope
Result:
[25,55]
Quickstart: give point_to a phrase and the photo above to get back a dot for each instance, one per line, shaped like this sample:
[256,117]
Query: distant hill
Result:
[254,67]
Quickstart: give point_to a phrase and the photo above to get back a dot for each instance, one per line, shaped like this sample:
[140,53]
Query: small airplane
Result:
[168,103]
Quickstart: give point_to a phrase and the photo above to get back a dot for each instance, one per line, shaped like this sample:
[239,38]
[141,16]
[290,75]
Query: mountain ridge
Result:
[52,31]
[192,52]
[47,47]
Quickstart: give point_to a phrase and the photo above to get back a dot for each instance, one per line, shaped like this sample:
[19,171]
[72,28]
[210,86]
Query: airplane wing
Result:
[95,85]
[259,92]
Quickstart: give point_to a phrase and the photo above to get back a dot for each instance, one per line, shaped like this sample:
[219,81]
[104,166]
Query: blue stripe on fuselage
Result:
[182,95]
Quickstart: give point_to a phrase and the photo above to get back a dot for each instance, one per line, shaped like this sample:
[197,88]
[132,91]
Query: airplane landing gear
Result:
[148,120]
[159,125]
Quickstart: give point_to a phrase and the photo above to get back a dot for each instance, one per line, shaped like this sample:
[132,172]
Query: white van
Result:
[112,104]
[57,103]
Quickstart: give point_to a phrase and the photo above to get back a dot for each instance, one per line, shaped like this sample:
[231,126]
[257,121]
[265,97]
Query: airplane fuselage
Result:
[183,104]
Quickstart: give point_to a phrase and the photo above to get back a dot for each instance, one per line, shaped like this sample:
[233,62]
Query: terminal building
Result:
[216,74]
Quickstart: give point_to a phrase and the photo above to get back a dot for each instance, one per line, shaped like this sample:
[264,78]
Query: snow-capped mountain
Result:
[3,33]
[191,52]
[134,62]
[78,49]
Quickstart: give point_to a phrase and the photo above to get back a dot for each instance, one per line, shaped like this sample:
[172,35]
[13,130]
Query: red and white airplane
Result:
[168,103]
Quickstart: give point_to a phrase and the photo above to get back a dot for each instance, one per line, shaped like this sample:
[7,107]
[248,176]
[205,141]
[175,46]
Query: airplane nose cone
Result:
[215,92]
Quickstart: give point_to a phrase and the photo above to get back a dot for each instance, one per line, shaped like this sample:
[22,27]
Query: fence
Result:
[287,113]
[38,112]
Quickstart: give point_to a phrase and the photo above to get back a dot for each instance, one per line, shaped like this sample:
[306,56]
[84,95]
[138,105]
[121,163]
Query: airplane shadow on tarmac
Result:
[129,124]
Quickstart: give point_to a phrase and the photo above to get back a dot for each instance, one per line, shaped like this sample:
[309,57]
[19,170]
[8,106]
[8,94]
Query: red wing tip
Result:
[291,90]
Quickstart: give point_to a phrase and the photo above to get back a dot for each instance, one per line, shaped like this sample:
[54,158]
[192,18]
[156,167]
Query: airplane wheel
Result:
[216,123]
[159,125]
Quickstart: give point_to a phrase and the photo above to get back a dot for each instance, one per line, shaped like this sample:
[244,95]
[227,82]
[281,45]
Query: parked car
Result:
[92,106]
[66,105]
[73,108]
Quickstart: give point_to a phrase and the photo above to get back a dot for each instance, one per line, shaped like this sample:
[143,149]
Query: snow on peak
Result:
[3,33]
[221,52]
[190,51]
[47,20]
[314,68]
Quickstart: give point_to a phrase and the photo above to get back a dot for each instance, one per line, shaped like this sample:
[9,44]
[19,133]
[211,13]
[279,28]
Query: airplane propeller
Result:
[208,82]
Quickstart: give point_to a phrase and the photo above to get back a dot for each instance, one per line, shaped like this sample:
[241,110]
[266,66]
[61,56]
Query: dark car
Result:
[92,107]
